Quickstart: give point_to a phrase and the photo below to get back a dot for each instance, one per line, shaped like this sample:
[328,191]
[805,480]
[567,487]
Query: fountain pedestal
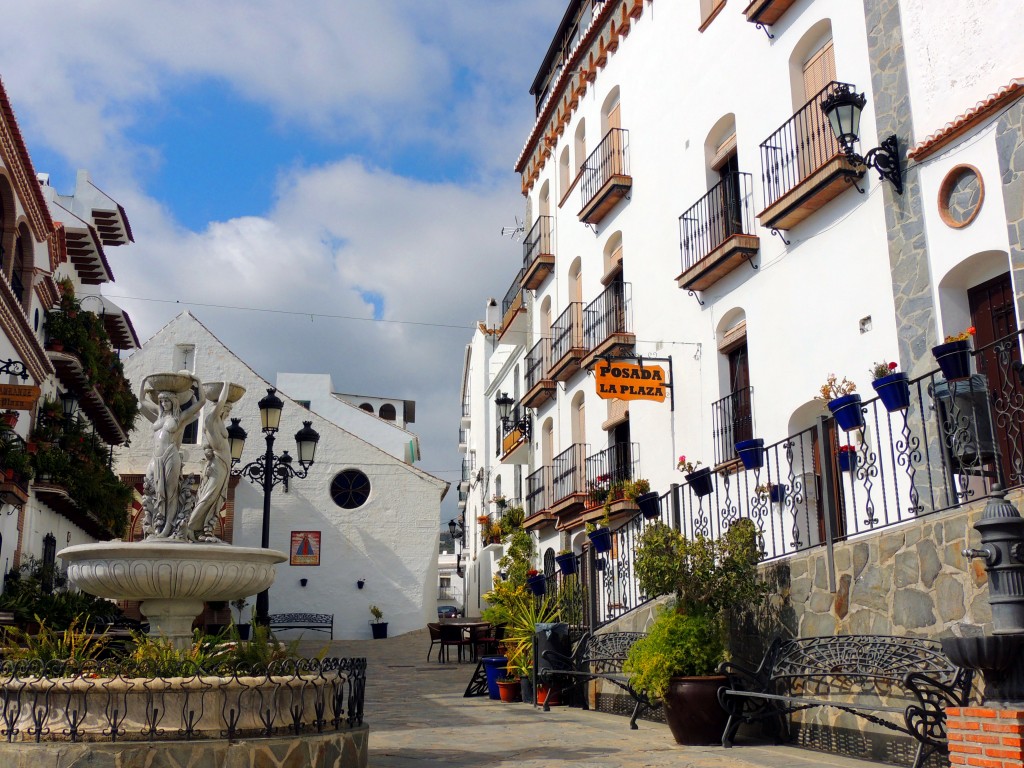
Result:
[172,578]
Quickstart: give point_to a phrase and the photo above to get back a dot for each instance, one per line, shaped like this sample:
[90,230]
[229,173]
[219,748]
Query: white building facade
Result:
[688,204]
[370,519]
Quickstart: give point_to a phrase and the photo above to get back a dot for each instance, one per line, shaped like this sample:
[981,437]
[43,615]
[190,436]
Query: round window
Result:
[350,489]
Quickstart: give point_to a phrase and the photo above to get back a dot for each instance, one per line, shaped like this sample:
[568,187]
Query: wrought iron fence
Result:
[511,431]
[613,466]
[467,470]
[538,497]
[732,420]
[512,295]
[538,363]
[803,144]
[107,701]
[568,473]
[538,240]
[567,331]
[609,159]
[466,412]
[724,211]
[607,315]
[463,435]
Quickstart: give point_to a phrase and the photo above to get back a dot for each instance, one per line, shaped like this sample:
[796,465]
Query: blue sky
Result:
[352,160]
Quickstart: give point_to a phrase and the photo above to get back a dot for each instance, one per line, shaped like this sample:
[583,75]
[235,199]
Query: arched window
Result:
[387,412]
[613,258]
[367,407]
[564,175]
[580,145]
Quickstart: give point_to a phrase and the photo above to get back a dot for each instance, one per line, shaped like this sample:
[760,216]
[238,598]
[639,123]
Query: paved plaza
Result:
[418,716]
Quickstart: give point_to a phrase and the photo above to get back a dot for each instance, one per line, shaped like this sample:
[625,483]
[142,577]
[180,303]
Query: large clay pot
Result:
[692,710]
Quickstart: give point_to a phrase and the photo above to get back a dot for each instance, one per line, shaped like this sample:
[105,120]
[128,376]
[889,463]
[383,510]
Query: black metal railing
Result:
[467,469]
[449,593]
[568,473]
[465,409]
[612,467]
[538,363]
[732,420]
[519,422]
[803,144]
[567,331]
[610,159]
[463,435]
[608,314]
[538,491]
[124,701]
[538,240]
[514,293]
[725,211]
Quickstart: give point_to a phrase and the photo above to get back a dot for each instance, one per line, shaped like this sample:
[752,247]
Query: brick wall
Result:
[984,736]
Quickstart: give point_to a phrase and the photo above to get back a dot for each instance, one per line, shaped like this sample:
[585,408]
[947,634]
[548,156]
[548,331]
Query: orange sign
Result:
[625,381]
[16,397]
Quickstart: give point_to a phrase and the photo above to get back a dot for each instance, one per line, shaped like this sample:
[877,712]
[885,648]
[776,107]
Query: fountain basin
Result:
[997,657]
[172,579]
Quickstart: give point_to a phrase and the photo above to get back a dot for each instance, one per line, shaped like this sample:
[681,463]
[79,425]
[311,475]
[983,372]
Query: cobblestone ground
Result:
[418,716]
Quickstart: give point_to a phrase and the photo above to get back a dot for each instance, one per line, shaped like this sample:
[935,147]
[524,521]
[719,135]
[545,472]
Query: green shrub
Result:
[677,645]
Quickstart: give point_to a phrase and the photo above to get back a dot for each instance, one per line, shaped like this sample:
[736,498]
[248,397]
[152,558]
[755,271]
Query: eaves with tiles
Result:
[608,27]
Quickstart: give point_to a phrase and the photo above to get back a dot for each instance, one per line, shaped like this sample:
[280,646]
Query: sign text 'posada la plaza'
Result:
[618,380]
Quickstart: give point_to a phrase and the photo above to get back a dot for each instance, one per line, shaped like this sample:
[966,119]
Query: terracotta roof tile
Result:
[983,109]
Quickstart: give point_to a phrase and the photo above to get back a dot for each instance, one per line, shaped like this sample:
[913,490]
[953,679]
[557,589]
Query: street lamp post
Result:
[270,470]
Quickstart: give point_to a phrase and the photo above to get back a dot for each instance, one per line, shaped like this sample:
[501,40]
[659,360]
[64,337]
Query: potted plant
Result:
[243,628]
[954,356]
[843,401]
[515,607]
[751,453]
[847,458]
[566,562]
[893,388]
[699,480]
[678,659]
[600,533]
[9,418]
[776,492]
[509,689]
[378,627]
[499,501]
[536,581]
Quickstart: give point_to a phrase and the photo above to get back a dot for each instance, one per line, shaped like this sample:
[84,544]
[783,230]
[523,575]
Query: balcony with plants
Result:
[87,365]
[716,234]
[613,481]
[538,253]
[15,466]
[803,165]
[73,475]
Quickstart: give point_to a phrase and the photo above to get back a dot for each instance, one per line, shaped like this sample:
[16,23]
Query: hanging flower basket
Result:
[700,481]
[847,413]
[566,563]
[537,584]
[847,458]
[954,359]
[751,453]
[601,538]
[894,391]
[650,504]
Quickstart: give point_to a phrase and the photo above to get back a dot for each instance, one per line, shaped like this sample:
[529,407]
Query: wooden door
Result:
[817,144]
[739,376]
[614,150]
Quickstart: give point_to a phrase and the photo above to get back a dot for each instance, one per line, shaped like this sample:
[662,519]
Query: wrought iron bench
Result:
[321,622]
[595,657]
[899,683]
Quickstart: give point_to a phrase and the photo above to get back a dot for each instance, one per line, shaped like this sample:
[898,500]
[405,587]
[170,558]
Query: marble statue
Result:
[213,489]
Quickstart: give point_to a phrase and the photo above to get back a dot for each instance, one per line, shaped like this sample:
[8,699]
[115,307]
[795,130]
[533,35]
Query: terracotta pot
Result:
[543,692]
[509,691]
[692,710]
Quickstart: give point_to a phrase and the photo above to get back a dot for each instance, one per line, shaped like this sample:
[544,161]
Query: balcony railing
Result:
[801,146]
[538,253]
[513,296]
[538,362]
[732,420]
[538,491]
[567,333]
[465,409]
[568,473]
[725,211]
[607,315]
[467,470]
[605,176]
[449,593]
[612,466]
[463,435]
[513,430]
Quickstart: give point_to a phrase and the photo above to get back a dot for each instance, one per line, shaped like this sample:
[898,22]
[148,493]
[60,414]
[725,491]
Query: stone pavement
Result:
[418,716]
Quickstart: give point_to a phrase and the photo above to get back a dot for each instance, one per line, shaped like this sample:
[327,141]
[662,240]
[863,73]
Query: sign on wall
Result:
[305,549]
[17,397]
[617,380]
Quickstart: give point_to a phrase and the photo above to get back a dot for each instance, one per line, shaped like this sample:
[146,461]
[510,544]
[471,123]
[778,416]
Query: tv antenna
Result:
[515,231]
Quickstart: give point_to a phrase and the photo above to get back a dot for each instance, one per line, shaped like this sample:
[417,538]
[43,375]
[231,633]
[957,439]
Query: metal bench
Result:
[321,622]
[596,657]
[899,683]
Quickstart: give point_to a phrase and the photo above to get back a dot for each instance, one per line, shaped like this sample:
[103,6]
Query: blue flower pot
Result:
[700,481]
[601,539]
[847,413]
[538,584]
[751,453]
[894,391]
[650,504]
[566,563]
[847,461]
[494,667]
[954,359]
[778,493]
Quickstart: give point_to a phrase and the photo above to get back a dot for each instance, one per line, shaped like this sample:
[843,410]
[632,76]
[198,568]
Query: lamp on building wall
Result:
[458,532]
[843,109]
[504,404]
[69,404]
[268,471]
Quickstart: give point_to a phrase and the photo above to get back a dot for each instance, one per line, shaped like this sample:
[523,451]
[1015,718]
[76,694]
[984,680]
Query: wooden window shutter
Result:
[819,71]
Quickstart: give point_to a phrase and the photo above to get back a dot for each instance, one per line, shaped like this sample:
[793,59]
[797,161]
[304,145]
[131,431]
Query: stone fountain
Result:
[180,564]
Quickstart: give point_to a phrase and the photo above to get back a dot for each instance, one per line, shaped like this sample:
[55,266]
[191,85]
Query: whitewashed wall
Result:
[391,541]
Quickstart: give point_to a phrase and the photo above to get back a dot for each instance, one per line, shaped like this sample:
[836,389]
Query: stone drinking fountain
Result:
[998,656]
[180,564]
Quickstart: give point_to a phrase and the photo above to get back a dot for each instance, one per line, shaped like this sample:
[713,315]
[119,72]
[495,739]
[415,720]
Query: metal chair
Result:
[435,639]
[451,635]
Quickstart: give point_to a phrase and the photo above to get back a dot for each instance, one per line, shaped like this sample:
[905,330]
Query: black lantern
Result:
[236,440]
[270,411]
[843,109]
[455,529]
[69,403]
[305,441]
[504,403]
